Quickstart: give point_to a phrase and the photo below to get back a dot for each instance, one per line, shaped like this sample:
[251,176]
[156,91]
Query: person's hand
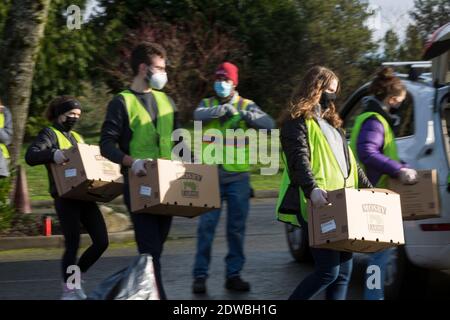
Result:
[138,167]
[408,176]
[230,110]
[243,114]
[319,198]
[59,157]
[127,161]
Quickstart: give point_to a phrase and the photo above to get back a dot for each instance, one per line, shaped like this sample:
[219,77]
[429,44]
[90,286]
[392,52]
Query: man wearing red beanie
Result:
[227,110]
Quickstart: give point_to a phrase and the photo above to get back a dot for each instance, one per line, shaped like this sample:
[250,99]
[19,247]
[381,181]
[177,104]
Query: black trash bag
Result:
[136,282]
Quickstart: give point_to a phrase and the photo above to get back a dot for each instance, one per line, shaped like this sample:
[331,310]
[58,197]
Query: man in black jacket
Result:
[120,134]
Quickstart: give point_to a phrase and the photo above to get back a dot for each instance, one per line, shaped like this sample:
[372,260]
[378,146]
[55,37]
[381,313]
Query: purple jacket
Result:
[370,152]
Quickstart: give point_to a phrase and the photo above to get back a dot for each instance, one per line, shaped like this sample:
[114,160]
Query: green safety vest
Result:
[63,142]
[325,168]
[389,147]
[448,181]
[3,148]
[148,142]
[237,148]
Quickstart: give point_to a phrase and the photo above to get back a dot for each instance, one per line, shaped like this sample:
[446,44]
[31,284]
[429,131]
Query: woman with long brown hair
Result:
[317,159]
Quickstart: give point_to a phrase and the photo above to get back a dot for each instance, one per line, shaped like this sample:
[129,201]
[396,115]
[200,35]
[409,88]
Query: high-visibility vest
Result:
[325,168]
[389,147]
[448,181]
[63,142]
[238,147]
[148,141]
[3,148]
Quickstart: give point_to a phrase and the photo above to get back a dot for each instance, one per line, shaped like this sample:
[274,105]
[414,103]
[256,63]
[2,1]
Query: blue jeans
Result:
[237,195]
[379,259]
[333,270]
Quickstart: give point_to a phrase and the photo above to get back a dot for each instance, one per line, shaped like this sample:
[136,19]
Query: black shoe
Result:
[199,285]
[237,284]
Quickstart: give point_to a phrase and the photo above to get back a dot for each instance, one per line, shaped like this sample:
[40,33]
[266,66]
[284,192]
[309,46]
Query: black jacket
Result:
[41,152]
[294,142]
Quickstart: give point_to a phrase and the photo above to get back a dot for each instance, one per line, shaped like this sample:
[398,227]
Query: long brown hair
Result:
[307,96]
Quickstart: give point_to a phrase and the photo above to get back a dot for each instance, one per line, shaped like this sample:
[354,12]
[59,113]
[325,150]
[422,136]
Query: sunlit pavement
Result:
[272,272]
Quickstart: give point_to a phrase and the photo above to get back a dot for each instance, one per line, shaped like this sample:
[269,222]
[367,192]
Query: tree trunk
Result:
[23,31]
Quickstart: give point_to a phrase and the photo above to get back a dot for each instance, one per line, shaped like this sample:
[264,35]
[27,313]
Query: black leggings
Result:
[71,213]
[150,231]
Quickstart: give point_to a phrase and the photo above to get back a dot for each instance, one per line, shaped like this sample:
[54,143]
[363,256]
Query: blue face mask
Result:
[223,88]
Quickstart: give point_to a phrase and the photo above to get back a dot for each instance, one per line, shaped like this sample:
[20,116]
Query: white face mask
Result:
[157,80]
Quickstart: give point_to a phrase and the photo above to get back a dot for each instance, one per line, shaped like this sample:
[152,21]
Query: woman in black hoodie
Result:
[47,148]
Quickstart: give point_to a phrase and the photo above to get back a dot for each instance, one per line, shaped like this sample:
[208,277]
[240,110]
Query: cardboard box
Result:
[420,200]
[175,188]
[87,176]
[365,220]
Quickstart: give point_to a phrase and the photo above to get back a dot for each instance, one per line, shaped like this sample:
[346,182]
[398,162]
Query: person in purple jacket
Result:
[373,142]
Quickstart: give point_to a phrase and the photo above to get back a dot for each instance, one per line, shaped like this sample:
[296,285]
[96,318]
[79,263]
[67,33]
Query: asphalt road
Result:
[272,272]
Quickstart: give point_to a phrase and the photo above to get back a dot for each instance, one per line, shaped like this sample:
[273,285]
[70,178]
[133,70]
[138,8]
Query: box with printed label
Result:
[87,175]
[175,188]
[364,220]
[419,200]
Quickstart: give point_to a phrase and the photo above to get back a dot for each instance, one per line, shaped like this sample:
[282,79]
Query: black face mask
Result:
[326,99]
[69,123]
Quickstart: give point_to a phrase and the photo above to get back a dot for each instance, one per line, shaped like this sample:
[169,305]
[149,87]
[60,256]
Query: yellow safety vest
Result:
[3,147]
[65,143]
[325,169]
[239,148]
[148,142]
[389,147]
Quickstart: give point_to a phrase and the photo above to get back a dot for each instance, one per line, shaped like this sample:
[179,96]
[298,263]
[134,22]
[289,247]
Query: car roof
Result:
[425,78]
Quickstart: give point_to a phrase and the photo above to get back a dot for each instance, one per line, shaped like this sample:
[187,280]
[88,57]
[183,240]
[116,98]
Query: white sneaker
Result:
[73,294]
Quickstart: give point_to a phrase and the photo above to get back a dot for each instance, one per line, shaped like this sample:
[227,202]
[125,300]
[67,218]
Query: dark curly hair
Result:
[51,111]
[143,53]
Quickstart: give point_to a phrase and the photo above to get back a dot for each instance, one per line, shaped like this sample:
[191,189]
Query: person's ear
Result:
[143,68]
[392,101]
[61,118]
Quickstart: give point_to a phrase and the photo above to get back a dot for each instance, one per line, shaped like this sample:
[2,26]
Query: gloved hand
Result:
[319,198]
[229,109]
[59,157]
[408,176]
[138,167]
[244,114]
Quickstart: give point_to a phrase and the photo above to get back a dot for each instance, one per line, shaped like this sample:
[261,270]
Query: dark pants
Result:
[332,273]
[71,213]
[150,231]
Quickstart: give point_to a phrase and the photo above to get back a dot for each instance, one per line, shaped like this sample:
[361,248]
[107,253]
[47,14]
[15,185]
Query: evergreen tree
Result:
[391,46]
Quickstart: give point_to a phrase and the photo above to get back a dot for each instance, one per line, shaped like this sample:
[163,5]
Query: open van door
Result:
[438,49]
